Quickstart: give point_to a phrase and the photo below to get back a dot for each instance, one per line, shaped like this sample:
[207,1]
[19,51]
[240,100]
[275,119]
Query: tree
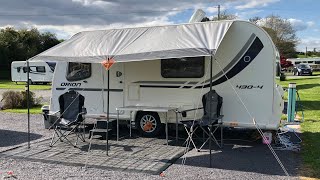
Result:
[223,16]
[281,32]
[20,45]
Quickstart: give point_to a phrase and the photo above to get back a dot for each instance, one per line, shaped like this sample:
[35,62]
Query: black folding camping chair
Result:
[209,124]
[69,118]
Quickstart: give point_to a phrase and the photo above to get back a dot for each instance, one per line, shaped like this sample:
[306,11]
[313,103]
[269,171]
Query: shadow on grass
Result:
[11,138]
[307,86]
[309,105]
[303,105]
[300,78]
[311,155]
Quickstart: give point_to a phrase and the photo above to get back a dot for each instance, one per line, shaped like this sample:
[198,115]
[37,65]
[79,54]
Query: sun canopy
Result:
[143,43]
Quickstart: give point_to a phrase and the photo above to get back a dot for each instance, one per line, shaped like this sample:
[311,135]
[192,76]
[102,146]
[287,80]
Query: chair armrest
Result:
[184,112]
[54,113]
[83,111]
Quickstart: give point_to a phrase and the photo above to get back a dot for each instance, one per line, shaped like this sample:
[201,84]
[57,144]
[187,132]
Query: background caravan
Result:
[151,71]
[39,71]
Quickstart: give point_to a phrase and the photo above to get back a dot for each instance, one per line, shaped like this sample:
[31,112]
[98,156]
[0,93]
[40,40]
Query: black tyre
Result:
[148,123]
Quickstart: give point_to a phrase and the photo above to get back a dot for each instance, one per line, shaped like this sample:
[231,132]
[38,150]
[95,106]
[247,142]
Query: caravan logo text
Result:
[71,84]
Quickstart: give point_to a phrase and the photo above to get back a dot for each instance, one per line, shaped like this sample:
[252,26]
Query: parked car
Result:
[302,69]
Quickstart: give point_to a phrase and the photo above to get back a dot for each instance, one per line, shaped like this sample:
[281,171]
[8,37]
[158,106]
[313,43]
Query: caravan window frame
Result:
[41,69]
[80,71]
[187,67]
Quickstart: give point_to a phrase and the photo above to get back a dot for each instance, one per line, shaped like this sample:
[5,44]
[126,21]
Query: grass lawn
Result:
[309,91]
[7,84]
[33,110]
[304,56]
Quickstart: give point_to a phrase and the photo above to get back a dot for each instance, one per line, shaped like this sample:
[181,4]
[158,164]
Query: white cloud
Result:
[254,3]
[247,14]
[214,9]
[310,43]
[300,25]
[311,23]
[66,31]
[70,16]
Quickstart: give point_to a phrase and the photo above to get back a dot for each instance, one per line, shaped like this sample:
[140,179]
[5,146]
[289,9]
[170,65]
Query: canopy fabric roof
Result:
[144,43]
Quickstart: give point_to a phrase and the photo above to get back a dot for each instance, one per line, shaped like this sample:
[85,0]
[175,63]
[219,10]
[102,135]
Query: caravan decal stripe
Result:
[236,59]
[160,82]
[245,56]
[91,89]
[245,60]
[152,86]
[114,90]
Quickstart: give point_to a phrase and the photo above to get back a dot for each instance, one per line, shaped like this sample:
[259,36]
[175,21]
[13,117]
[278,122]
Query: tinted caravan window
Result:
[78,71]
[25,69]
[189,67]
[40,69]
[52,65]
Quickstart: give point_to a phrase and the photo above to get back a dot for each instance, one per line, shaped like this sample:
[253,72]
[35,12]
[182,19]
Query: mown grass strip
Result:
[309,91]
[33,110]
[7,84]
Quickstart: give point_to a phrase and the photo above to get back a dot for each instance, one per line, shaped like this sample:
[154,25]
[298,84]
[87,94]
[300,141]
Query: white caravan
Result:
[39,71]
[169,66]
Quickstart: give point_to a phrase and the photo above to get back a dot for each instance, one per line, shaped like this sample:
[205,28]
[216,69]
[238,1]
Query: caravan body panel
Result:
[243,74]
[39,71]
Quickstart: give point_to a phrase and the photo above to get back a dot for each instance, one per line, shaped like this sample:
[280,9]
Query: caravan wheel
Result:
[148,123]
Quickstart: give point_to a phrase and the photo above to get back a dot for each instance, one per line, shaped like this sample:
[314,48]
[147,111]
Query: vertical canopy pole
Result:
[108,100]
[108,94]
[210,113]
[28,104]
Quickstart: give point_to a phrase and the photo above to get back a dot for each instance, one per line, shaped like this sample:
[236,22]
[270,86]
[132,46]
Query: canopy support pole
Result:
[210,114]
[108,94]
[28,104]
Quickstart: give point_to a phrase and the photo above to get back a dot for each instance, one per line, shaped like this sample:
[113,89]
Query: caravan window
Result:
[52,65]
[18,69]
[25,69]
[189,67]
[40,69]
[78,71]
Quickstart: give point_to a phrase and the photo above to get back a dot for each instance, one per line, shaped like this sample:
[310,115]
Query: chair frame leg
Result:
[62,136]
[89,149]
[210,133]
[190,134]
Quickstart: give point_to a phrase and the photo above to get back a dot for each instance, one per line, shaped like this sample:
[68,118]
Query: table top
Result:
[146,108]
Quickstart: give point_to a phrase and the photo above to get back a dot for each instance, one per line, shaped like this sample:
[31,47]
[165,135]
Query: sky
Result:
[67,17]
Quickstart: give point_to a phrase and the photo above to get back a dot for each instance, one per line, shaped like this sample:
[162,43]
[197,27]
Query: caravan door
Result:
[116,88]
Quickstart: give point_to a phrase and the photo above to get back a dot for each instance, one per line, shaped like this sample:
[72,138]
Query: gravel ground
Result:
[226,163]
[14,126]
